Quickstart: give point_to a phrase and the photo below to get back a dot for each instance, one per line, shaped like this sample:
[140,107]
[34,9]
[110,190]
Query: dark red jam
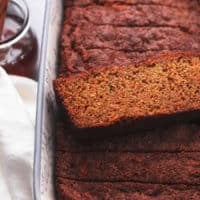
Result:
[20,58]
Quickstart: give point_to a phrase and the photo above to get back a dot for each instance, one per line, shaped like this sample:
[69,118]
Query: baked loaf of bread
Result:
[162,164]
[117,34]
[117,57]
[119,95]
[107,33]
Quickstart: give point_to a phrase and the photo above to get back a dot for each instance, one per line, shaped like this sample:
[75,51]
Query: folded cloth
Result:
[17,113]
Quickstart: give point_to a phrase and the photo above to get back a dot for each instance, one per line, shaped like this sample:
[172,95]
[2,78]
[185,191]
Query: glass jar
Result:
[18,45]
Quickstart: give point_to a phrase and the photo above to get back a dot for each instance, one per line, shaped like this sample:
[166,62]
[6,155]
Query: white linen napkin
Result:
[17,114]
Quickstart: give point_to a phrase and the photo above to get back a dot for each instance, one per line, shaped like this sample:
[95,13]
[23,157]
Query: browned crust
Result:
[77,189]
[149,61]
[124,191]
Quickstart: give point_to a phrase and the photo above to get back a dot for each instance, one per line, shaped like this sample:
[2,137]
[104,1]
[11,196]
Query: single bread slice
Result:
[160,86]
[159,167]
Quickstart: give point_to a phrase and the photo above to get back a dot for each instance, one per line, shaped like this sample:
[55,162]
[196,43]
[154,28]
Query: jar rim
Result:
[24,9]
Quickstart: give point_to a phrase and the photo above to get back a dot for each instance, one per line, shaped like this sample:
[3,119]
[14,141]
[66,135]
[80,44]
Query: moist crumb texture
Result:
[122,61]
[162,86]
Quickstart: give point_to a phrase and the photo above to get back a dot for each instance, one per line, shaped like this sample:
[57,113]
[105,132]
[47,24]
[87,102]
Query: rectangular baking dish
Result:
[43,176]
